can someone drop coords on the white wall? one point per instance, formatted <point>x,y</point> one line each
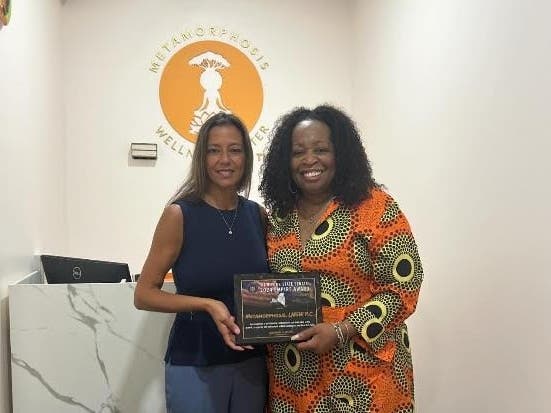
<point>112,99</point>
<point>32,203</point>
<point>454,100</point>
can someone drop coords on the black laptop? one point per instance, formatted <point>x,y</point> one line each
<point>68,270</point>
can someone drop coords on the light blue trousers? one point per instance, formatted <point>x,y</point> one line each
<point>232,388</point>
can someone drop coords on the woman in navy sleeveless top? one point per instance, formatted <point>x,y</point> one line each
<point>206,235</point>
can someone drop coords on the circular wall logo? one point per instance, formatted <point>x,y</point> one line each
<point>207,77</point>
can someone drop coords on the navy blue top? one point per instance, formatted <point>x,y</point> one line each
<point>205,267</point>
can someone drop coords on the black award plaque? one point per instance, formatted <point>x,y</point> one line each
<point>272,307</point>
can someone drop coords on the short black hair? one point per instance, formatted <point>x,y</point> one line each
<point>353,180</point>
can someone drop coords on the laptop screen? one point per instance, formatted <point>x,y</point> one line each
<point>67,270</point>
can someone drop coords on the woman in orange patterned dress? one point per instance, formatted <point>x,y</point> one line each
<point>328,215</point>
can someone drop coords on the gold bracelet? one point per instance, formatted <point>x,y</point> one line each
<point>340,335</point>
<point>348,335</point>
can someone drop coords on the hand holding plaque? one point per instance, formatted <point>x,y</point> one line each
<point>272,307</point>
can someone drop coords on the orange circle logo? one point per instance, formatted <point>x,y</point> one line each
<point>205,78</point>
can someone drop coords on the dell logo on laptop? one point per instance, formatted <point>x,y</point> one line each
<point>77,273</point>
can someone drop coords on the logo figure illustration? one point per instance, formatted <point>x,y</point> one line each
<point>211,81</point>
<point>205,78</point>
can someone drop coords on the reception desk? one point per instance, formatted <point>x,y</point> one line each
<point>85,348</point>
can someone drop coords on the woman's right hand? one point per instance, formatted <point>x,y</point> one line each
<point>225,323</point>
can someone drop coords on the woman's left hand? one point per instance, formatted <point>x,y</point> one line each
<point>320,338</point>
<point>225,323</point>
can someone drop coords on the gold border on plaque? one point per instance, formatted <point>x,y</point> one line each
<point>286,279</point>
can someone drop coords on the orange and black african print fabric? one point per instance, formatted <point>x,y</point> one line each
<point>370,274</point>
